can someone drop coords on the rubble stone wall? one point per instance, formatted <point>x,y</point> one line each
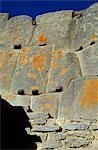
<point>49,66</point>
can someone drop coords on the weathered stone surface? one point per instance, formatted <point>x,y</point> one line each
<point>46,103</point>
<point>80,100</point>
<point>94,126</point>
<point>19,100</point>
<point>43,128</point>
<point>82,134</point>
<point>57,136</point>
<point>63,68</point>
<point>38,115</point>
<point>8,60</point>
<point>88,59</point>
<point>73,142</point>
<point>38,121</point>
<point>51,144</point>
<point>19,29</point>
<point>85,28</point>
<point>74,126</point>
<point>3,21</point>
<point>31,70</point>
<point>52,29</point>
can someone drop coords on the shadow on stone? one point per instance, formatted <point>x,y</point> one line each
<point>13,123</point>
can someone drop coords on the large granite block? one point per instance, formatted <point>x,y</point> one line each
<point>80,100</point>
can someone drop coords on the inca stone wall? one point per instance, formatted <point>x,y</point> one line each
<point>50,67</point>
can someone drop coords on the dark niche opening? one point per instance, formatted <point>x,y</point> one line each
<point>35,92</point>
<point>59,89</point>
<point>93,42</point>
<point>44,44</point>
<point>17,46</point>
<point>21,92</point>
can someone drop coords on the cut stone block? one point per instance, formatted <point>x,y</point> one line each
<point>80,100</point>
<point>31,70</point>
<point>46,103</point>
<point>52,29</point>
<point>38,115</point>
<point>88,59</point>
<point>19,29</point>
<point>19,100</point>
<point>8,60</point>
<point>86,28</point>
<point>51,145</point>
<point>63,68</point>
<point>43,128</point>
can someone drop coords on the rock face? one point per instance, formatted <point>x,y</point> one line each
<point>50,67</point>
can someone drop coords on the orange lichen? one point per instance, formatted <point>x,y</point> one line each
<point>63,71</point>
<point>31,75</point>
<point>35,88</point>
<point>52,54</point>
<point>90,93</point>
<point>42,38</point>
<point>1,63</point>
<point>23,56</point>
<point>93,37</point>
<point>48,106</point>
<point>38,62</point>
<point>59,52</point>
<point>54,65</point>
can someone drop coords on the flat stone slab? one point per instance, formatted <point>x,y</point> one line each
<point>43,128</point>
<point>31,70</point>
<point>63,68</point>
<point>46,103</point>
<point>75,126</point>
<point>38,115</point>
<point>80,100</point>
<point>51,145</point>
<point>88,58</point>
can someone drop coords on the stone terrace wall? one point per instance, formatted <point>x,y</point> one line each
<point>50,67</point>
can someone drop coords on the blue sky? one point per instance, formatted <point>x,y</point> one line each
<point>34,8</point>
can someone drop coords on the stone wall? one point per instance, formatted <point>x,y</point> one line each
<point>50,67</point>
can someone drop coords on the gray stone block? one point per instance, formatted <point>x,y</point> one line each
<point>80,100</point>
<point>46,103</point>
<point>53,30</point>
<point>38,115</point>
<point>31,70</point>
<point>43,128</point>
<point>73,142</point>
<point>88,59</point>
<point>51,144</point>
<point>63,68</point>
<point>19,29</point>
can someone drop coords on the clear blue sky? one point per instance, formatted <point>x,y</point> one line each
<point>34,8</point>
